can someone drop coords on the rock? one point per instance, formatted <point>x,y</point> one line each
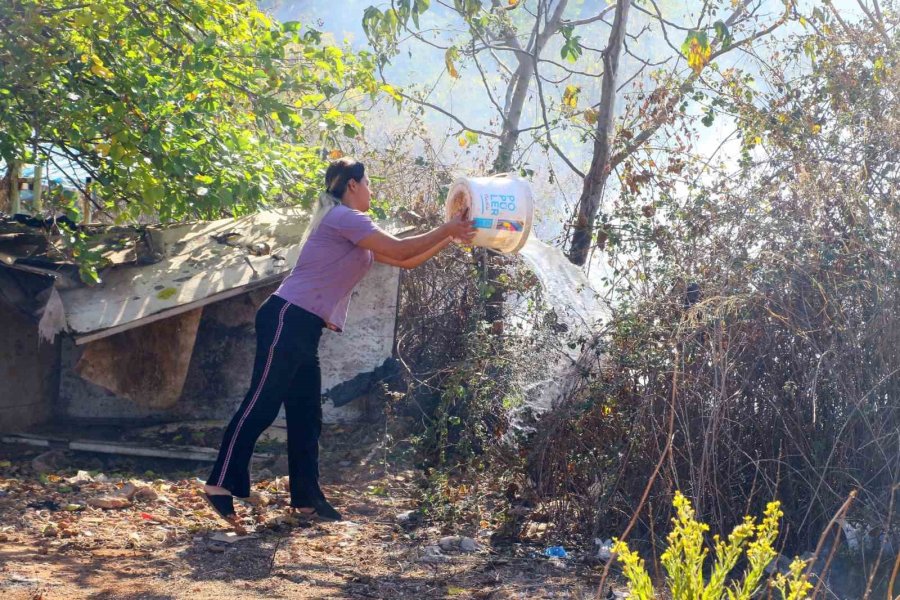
<point>406,517</point>
<point>146,494</point>
<point>780,565</point>
<point>345,463</point>
<point>467,544</point>
<point>604,549</point>
<point>449,543</point>
<point>265,474</point>
<point>48,461</point>
<point>128,490</point>
<point>135,490</point>
<point>229,537</point>
<point>80,477</point>
<point>110,502</point>
<point>217,547</point>
<point>432,554</point>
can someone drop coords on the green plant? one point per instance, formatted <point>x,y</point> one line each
<point>176,110</point>
<point>686,554</point>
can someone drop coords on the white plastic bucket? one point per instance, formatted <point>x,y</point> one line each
<point>501,207</point>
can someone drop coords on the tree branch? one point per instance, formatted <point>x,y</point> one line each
<point>597,17</point>
<point>547,126</point>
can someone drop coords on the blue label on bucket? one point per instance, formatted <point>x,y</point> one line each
<point>482,223</point>
<point>495,203</point>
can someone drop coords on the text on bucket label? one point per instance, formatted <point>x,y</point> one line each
<point>495,203</point>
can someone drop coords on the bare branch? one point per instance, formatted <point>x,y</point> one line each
<point>597,17</point>
<point>547,126</point>
<point>487,86</point>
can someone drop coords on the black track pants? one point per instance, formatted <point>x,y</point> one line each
<point>286,370</point>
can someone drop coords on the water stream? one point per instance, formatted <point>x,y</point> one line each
<point>566,290</point>
<point>565,286</point>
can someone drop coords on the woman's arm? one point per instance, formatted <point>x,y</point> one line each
<point>415,261</point>
<point>392,248</point>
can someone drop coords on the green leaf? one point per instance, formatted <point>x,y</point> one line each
<point>723,34</point>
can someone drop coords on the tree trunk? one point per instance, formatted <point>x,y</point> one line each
<point>509,136</point>
<point>37,206</point>
<point>15,171</point>
<point>595,181</point>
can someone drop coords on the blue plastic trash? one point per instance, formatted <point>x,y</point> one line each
<point>556,552</point>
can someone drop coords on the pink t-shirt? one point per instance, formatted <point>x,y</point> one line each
<point>330,266</point>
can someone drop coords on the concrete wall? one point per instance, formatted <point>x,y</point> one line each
<point>29,373</point>
<point>222,360</point>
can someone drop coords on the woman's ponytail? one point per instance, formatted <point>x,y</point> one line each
<point>337,176</point>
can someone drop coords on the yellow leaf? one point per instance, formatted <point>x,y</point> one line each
<point>816,129</point>
<point>463,142</point>
<point>591,116</point>
<point>390,91</point>
<point>698,55</point>
<point>335,154</point>
<point>101,71</point>
<point>570,97</point>
<point>191,96</point>
<point>450,56</point>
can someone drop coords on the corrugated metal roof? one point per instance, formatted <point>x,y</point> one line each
<point>195,264</point>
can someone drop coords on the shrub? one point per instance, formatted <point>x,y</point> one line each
<point>685,557</point>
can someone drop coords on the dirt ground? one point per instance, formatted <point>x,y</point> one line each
<point>165,543</point>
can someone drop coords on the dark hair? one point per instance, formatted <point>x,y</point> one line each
<point>340,172</point>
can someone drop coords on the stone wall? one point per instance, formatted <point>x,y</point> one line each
<point>222,360</point>
<point>29,372</point>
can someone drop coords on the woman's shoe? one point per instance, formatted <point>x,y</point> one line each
<point>321,510</point>
<point>223,505</point>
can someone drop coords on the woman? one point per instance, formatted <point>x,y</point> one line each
<point>338,249</point>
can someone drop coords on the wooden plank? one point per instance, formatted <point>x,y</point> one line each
<point>167,451</point>
<point>26,440</point>
<point>184,453</point>
<point>176,452</point>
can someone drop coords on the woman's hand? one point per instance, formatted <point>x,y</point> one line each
<point>460,228</point>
